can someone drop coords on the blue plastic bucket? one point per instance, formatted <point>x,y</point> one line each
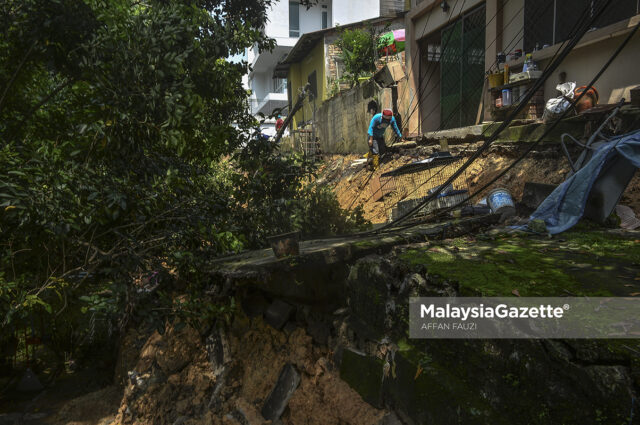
<point>498,199</point>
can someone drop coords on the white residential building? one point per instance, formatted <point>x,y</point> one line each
<point>287,21</point>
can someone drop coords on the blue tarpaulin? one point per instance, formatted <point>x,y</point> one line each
<point>564,207</point>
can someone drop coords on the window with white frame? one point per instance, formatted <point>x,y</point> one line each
<point>325,17</point>
<point>279,85</point>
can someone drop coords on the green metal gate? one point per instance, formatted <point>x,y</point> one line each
<point>462,69</point>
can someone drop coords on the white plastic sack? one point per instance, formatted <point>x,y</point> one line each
<point>556,106</point>
<point>628,219</point>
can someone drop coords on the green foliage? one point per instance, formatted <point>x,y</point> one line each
<point>333,87</point>
<point>320,214</point>
<point>278,196</point>
<point>113,116</point>
<point>358,52</point>
<point>117,122</point>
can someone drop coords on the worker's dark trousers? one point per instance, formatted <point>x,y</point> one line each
<point>379,146</point>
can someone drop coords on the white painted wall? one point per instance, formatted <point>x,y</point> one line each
<point>260,81</point>
<point>513,23</point>
<point>277,27</point>
<point>583,63</point>
<point>436,19</point>
<point>311,20</point>
<point>278,24</point>
<point>259,85</point>
<point>349,11</point>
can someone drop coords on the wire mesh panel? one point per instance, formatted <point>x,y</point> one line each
<point>304,141</point>
<point>408,186</point>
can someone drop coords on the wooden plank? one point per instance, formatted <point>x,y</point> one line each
<point>376,190</point>
<point>481,104</point>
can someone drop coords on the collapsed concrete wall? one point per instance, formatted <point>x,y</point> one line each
<point>471,381</point>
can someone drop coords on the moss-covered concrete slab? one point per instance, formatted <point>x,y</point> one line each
<point>516,132</point>
<point>531,132</point>
<point>504,381</point>
<point>596,263</point>
<point>318,273</point>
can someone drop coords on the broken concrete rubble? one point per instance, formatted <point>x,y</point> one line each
<point>278,313</point>
<point>277,400</point>
<point>424,376</point>
<point>319,331</point>
<point>368,361</point>
<point>254,305</point>
<point>322,264</point>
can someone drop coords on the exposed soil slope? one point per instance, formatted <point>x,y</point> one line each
<point>547,164</point>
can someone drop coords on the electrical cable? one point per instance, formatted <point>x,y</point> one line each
<point>482,134</point>
<point>460,13</point>
<point>552,67</point>
<point>423,30</point>
<point>585,11</point>
<point>460,103</point>
<point>553,124</point>
<point>494,63</point>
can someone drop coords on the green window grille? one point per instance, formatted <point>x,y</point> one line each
<point>462,69</point>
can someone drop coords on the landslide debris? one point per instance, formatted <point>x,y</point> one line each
<point>181,377</point>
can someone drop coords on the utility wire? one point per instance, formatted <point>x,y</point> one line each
<point>555,122</point>
<point>576,25</point>
<point>415,54</point>
<point>460,103</point>
<point>494,63</point>
<point>368,178</point>
<point>449,21</point>
<point>552,67</point>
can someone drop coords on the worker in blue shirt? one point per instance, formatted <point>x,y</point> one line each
<point>377,127</point>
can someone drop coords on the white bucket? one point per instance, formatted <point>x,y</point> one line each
<point>498,199</point>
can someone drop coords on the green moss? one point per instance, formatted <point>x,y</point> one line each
<point>368,243</point>
<point>403,345</point>
<point>375,296</point>
<point>608,245</point>
<point>579,263</point>
<point>363,374</point>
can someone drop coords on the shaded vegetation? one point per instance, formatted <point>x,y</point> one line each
<point>128,159</point>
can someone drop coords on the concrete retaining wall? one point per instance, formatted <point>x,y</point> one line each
<point>342,121</point>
